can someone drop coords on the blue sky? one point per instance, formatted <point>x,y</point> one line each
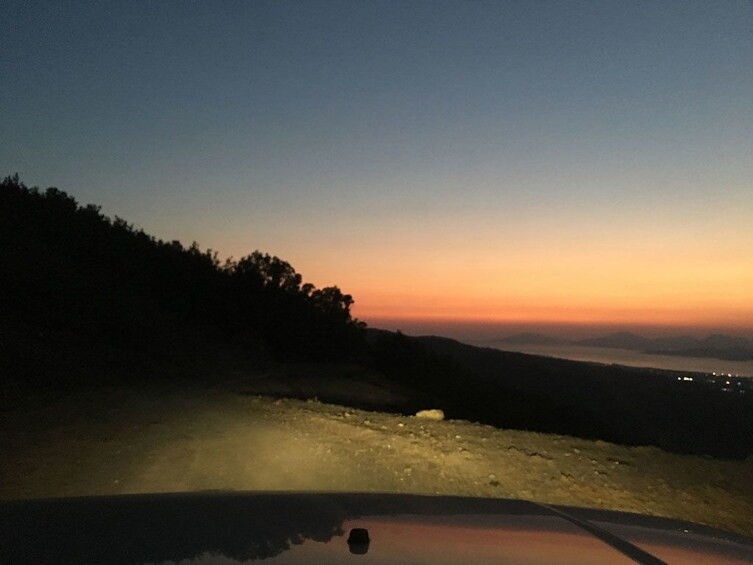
<point>368,141</point>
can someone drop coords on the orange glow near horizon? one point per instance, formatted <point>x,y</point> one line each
<point>551,316</point>
<point>693,293</point>
<point>632,264</point>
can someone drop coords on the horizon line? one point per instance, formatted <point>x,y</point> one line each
<point>435,326</point>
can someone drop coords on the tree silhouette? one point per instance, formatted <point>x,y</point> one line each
<point>81,292</point>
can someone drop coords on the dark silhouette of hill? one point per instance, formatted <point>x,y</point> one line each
<point>623,405</point>
<point>674,343</point>
<point>532,338</point>
<point>715,346</point>
<point>621,340</point>
<point>84,296</point>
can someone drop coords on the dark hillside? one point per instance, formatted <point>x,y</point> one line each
<point>83,296</point>
<point>624,405</point>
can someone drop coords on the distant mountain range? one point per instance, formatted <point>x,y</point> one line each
<point>715,346</point>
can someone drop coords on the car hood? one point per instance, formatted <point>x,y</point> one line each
<point>232,527</point>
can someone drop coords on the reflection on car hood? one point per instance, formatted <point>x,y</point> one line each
<point>230,527</point>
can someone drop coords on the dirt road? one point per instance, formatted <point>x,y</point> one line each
<point>127,441</point>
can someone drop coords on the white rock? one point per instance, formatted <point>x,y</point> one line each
<point>434,414</point>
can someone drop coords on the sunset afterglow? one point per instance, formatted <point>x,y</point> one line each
<point>500,162</point>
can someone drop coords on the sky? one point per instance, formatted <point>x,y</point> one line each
<point>509,164</point>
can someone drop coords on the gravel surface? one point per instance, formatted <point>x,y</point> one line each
<point>120,440</point>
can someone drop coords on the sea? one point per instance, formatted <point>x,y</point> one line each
<point>628,357</point>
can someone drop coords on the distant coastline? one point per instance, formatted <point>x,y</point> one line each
<point>714,346</point>
<point>675,361</point>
